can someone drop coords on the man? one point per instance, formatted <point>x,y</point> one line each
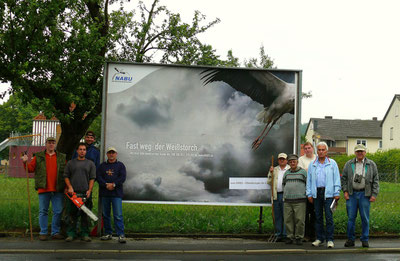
<point>79,175</point>
<point>323,186</point>
<point>277,174</point>
<point>360,184</point>
<point>111,175</point>
<point>92,153</point>
<point>304,162</point>
<point>48,166</point>
<point>294,195</point>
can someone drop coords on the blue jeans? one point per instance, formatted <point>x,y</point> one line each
<point>322,205</point>
<point>56,199</point>
<point>358,201</point>
<point>278,214</point>
<point>116,204</point>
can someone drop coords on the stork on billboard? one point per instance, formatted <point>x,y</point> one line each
<point>199,135</point>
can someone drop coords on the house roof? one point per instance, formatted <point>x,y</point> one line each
<point>336,129</point>
<point>42,117</point>
<point>396,96</point>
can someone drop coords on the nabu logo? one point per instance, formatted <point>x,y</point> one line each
<point>121,76</point>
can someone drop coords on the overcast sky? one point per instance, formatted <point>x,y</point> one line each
<point>348,50</point>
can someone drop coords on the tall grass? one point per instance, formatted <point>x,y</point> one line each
<point>187,219</point>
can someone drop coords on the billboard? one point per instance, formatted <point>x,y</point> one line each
<point>188,135</point>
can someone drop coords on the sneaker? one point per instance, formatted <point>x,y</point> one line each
<point>349,243</point>
<point>288,241</point>
<point>299,241</point>
<point>122,239</point>
<point>106,237</point>
<point>330,244</point>
<point>42,237</point>
<point>364,243</point>
<point>57,236</point>
<point>317,243</point>
<point>86,239</point>
<point>69,239</point>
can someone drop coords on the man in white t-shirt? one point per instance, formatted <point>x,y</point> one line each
<point>277,174</point>
<point>304,162</point>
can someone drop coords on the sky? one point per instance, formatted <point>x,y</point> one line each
<point>348,51</point>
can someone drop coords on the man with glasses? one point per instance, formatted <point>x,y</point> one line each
<point>111,175</point>
<point>360,184</point>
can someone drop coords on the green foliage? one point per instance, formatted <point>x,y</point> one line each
<point>15,116</point>
<point>265,61</point>
<point>53,52</point>
<point>187,219</point>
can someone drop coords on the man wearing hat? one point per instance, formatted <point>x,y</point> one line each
<point>294,195</point>
<point>111,175</point>
<point>275,175</point>
<point>360,184</point>
<point>92,153</point>
<point>48,166</point>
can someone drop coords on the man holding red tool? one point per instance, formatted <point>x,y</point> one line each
<point>79,176</point>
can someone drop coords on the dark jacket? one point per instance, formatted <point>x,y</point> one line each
<point>371,177</point>
<point>111,173</point>
<point>41,173</point>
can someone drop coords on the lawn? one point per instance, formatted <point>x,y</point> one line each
<point>188,219</point>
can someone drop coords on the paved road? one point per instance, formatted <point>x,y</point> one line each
<point>18,248</point>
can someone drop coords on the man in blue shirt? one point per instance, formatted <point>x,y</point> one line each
<point>92,153</point>
<point>323,186</point>
<point>111,175</point>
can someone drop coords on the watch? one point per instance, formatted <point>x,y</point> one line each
<point>114,185</point>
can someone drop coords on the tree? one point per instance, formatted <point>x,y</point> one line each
<point>15,116</point>
<point>53,52</point>
<point>265,61</point>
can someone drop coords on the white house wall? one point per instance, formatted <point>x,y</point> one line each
<point>392,120</point>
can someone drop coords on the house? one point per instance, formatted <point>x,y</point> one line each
<point>342,135</point>
<point>391,125</point>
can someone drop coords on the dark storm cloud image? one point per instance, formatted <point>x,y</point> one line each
<point>182,138</point>
<point>145,113</point>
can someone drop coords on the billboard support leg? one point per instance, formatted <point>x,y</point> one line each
<point>260,221</point>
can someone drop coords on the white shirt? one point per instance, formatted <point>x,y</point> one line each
<point>280,179</point>
<point>305,161</point>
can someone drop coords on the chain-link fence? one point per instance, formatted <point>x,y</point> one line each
<point>183,219</point>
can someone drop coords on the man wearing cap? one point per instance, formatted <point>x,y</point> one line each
<point>111,175</point>
<point>92,153</point>
<point>276,175</point>
<point>323,186</point>
<point>48,166</point>
<point>360,184</point>
<point>79,176</point>
<point>294,195</point>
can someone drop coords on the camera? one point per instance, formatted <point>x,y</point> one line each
<point>358,178</point>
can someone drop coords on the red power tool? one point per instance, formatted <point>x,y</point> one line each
<point>81,205</point>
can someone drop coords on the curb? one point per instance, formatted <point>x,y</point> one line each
<point>221,252</point>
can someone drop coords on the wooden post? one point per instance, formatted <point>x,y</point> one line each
<point>260,221</point>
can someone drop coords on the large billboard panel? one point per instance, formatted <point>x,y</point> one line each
<point>188,135</point>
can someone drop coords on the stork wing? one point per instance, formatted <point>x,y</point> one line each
<point>261,86</point>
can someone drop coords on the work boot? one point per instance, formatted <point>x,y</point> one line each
<point>349,243</point>
<point>57,236</point>
<point>42,237</point>
<point>69,239</point>
<point>288,241</point>
<point>364,243</point>
<point>299,241</point>
<point>86,239</point>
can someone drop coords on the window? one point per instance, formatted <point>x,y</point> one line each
<point>380,144</point>
<point>363,142</point>
<point>391,133</point>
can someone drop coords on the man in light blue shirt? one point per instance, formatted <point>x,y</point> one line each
<point>323,186</point>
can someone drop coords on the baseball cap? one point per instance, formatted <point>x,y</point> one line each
<point>293,157</point>
<point>50,139</point>
<point>360,147</point>
<point>111,149</point>
<point>282,155</point>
